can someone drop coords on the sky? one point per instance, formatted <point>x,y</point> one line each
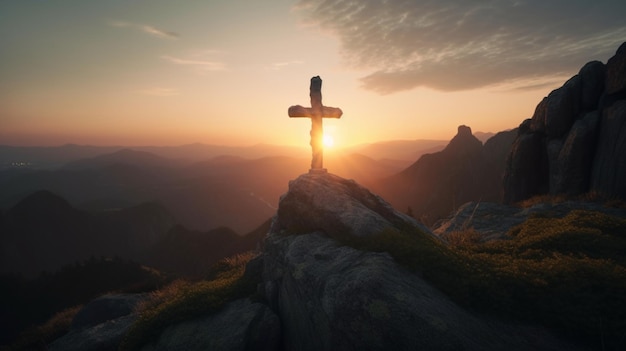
<point>164,72</point>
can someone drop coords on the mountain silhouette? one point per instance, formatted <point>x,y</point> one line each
<point>438,183</point>
<point>44,232</point>
<point>190,253</point>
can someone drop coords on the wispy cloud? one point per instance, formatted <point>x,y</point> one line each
<point>280,65</point>
<point>152,30</point>
<point>456,44</point>
<point>158,91</point>
<point>200,64</point>
<point>159,33</point>
<point>201,61</point>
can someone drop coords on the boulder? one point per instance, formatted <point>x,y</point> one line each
<point>326,202</point>
<point>493,221</point>
<point>105,308</point>
<point>100,325</point>
<point>553,149</point>
<point>572,172</point>
<point>537,123</point>
<point>592,77</point>
<point>616,71</point>
<point>563,108</point>
<point>240,325</point>
<point>609,164</point>
<point>527,171</point>
<point>105,336</point>
<point>556,113</point>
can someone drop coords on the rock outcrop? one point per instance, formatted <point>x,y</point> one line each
<point>493,221</point>
<point>241,325</point>
<point>100,325</point>
<point>334,205</point>
<point>575,141</point>
<point>333,297</point>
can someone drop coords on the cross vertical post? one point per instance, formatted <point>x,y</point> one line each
<point>316,113</point>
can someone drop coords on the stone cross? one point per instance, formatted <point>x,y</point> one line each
<point>316,112</point>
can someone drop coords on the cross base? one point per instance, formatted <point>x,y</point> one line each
<point>318,171</point>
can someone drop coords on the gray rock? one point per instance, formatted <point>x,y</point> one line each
<point>556,113</point>
<point>526,172</point>
<point>587,115</point>
<point>240,325</point>
<point>616,71</point>
<point>105,308</point>
<point>336,206</point>
<point>101,324</point>
<point>537,123</point>
<point>333,297</point>
<point>592,77</point>
<point>609,167</point>
<point>563,107</point>
<point>105,336</point>
<point>553,149</point>
<point>493,221</point>
<point>572,172</point>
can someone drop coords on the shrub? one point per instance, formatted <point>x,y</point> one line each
<point>37,338</point>
<point>183,300</point>
<point>466,237</point>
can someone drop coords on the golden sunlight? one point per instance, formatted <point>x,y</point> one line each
<point>328,141</point>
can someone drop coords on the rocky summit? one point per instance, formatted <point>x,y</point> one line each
<point>328,203</point>
<point>329,296</point>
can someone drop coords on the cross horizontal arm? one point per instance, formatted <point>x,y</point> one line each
<point>327,112</point>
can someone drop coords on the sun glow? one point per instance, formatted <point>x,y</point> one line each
<point>328,141</point>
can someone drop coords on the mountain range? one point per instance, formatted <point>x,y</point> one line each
<point>44,232</point>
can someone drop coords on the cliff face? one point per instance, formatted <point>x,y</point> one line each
<point>576,140</point>
<point>334,297</point>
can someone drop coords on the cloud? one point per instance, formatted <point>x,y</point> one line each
<point>202,65</point>
<point>159,33</point>
<point>280,65</point>
<point>458,45</point>
<point>146,29</point>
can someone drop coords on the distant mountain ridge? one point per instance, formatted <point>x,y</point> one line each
<point>44,232</point>
<point>52,157</point>
<point>125,156</point>
<point>226,190</point>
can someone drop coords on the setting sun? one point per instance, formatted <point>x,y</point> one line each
<point>328,141</point>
